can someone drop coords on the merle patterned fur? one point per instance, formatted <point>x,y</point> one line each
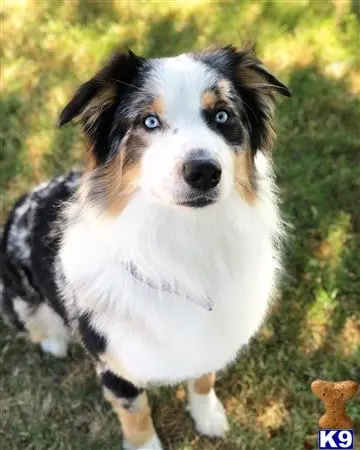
<point>29,246</point>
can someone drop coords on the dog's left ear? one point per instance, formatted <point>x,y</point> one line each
<point>257,87</point>
<point>252,73</point>
<point>99,93</point>
<point>95,103</point>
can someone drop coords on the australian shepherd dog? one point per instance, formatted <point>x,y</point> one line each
<point>162,254</point>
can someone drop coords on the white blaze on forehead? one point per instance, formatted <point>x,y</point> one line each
<point>180,81</point>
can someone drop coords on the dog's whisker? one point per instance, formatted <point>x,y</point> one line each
<point>250,109</point>
<point>127,84</point>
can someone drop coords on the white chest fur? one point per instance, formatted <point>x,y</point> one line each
<point>223,253</point>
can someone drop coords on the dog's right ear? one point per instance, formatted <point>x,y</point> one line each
<point>99,93</point>
<point>77,104</point>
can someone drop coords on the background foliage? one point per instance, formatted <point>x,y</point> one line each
<point>313,331</point>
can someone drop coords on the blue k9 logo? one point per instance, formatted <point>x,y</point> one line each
<point>338,439</point>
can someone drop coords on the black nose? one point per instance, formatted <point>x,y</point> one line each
<point>202,174</point>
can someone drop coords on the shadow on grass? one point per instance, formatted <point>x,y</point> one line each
<point>88,11</point>
<point>11,138</point>
<point>57,160</point>
<point>163,40</point>
<point>15,113</point>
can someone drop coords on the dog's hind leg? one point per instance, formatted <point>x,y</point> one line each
<point>132,408</point>
<point>44,325</point>
<point>23,306</point>
<point>205,407</point>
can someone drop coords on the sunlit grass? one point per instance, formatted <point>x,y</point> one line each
<point>272,417</point>
<point>333,246</point>
<point>349,337</point>
<point>317,322</point>
<point>49,48</point>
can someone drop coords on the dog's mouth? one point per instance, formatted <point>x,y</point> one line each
<point>165,287</point>
<point>191,200</point>
<point>199,201</point>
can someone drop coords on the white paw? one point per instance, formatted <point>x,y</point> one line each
<point>56,348</point>
<point>153,444</point>
<point>208,414</point>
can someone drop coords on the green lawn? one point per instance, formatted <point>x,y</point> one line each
<point>313,330</point>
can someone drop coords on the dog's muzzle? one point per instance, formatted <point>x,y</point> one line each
<point>202,174</point>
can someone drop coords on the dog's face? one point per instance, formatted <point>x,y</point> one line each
<point>182,130</point>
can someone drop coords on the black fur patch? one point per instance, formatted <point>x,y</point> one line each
<point>30,244</point>
<point>231,130</point>
<point>94,342</point>
<point>123,74</point>
<point>250,101</point>
<point>48,234</point>
<point>120,387</point>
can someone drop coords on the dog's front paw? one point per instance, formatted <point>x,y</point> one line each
<point>153,444</point>
<point>208,414</point>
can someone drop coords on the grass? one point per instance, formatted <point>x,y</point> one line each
<point>313,330</point>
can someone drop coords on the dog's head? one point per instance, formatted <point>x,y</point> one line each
<point>182,130</point>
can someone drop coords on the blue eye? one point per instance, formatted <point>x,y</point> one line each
<point>151,122</point>
<point>221,117</point>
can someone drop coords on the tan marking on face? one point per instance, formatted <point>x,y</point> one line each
<point>244,176</point>
<point>224,89</point>
<point>205,383</point>
<point>157,106</point>
<point>218,97</point>
<point>209,100</point>
<point>136,423</point>
<point>121,183</point>
<point>114,184</point>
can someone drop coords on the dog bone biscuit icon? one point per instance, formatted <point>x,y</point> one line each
<point>334,396</point>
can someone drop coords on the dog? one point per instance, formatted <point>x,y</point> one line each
<point>162,254</point>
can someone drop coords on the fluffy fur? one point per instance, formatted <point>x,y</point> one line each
<point>164,276</point>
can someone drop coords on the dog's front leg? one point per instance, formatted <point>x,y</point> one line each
<point>131,406</point>
<point>128,400</point>
<point>205,407</point>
